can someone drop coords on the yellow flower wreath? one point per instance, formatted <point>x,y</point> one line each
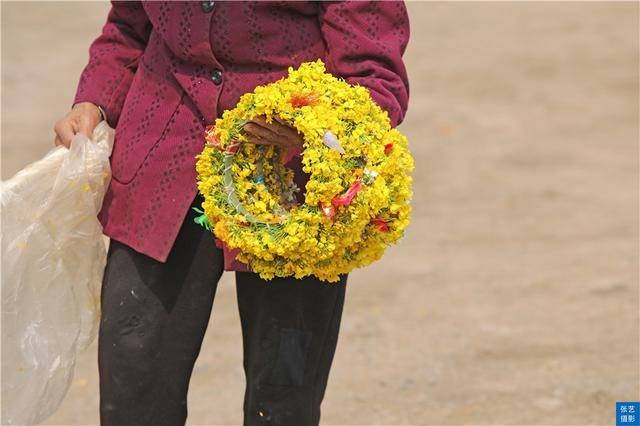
<point>357,199</point>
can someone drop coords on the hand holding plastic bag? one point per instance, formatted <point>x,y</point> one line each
<point>53,258</point>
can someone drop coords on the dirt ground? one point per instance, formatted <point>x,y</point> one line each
<point>513,299</point>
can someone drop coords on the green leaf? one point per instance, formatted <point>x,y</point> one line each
<point>202,219</point>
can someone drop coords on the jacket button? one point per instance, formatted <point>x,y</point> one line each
<point>207,6</point>
<point>216,77</point>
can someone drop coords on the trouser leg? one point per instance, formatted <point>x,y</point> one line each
<point>154,317</point>
<point>290,332</point>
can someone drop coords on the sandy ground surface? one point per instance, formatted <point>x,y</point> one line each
<point>514,297</point>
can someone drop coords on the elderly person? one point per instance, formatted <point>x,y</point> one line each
<point>159,73</point>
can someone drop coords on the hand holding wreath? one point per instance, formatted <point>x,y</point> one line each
<point>275,132</point>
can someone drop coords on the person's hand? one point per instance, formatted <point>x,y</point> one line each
<point>82,118</point>
<point>278,133</point>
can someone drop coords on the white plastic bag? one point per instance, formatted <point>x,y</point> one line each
<point>53,258</point>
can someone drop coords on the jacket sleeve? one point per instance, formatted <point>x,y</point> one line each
<point>113,59</point>
<point>365,42</point>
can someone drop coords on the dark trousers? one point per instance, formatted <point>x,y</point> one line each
<point>154,317</point>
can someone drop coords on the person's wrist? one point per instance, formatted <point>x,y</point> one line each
<point>91,106</point>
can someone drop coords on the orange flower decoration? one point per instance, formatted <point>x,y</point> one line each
<point>298,100</point>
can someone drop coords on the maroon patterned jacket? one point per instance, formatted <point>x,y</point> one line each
<point>162,71</point>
